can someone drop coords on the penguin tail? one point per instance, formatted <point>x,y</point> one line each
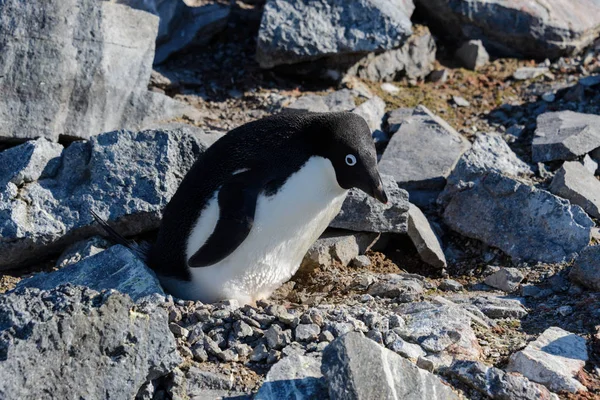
<point>141,250</point>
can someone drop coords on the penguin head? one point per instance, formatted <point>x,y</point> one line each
<point>350,148</point>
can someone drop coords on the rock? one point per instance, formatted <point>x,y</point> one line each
<point>80,250</point>
<point>294,377</point>
<point>439,75</point>
<point>277,338</point>
<point>360,262</point>
<point>341,100</point>
<point>93,345</point>
<point>126,177</point>
<point>414,60</point>
<point>421,155</point>
<point>500,307</point>
<point>396,285</point>
<point>407,350</point>
<point>362,213</point>
<point>195,383</point>
<point>586,269</point>
<point>395,118</point>
<point>338,246</point>
<point>389,88</point>
<point>425,240</point>
<point>565,135</point>
<point>460,101</point>
<point>473,55</point>
<point>534,30</point>
<point>450,285</point>
<point>554,359</point>
<point>101,60</point>
<point>29,162</point>
<point>497,384</point>
<point>358,368</point>
<point>576,184</point>
<point>590,164</point>
<point>307,332</point>
<point>116,268</point>
<point>372,111</point>
<point>311,102</point>
<point>525,73</point>
<point>293,32</point>
<point>506,279</point>
<point>536,225</point>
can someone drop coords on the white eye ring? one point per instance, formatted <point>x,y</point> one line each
<point>350,160</point>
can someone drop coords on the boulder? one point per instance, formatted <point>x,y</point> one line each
<point>541,30</point>
<point>473,55</point>
<point>294,377</point>
<point>115,268</point>
<point>565,135</point>
<point>574,182</point>
<point>126,177</point>
<point>93,345</point>
<point>525,222</point>
<point>358,368</point>
<point>360,212</point>
<point>297,31</point>
<point>586,269</point>
<point>88,64</point>
<point>554,359</point>
<point>425,240</point>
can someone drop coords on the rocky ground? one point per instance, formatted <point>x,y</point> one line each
<point>480,280</point>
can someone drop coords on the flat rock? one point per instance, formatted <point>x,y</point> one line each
<point>422,153</point>
<point>92,345</point>
<point>294,377</point>
<point>400,286</point>
<point>505,279</point>
<point>586,269</point>
<point>554,359</point>
<point>574,182</point>
<point>500,307</point>
<point>358,368</point>
<point>524,73</point>
<point>473,55</point>
<point>425,240</point>
<point>372,111</point>
<point>496,383</point>
<point>115,268</point>
<point>362,213</point>
<point>340,100</point>
<point>93,61</point>
<point>534,224</point>
<point>565,135</point>
<point>293,32</point>
<point>541,30</point>
<point>126,177</point>
<point>29,162</point>
<point>81,250</point>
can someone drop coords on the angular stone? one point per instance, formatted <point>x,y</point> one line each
<point>294,377</point>
<point>292,32</point>
<point>29,162</point>
<point>450,285</point>
<point>357,368</point>
<point>586,269</point>
<point>396,285</point>
<point>124,176</point>
<point>116,268</point>
<point>423,152</point>
<point>340,100</point>
<point>460,101</point>
<point>310,102</point>
<point>554,359</point>
<point>565,135</point>
<point>360,212</point>
<point>88,67</point>
<point>407,350</point>
<point>425,240</point>
<point>590,164</point>
<point>307,332</point>
<point>92,345</point>
<point>497,384</point>
<point>372,111</point>
<point>525,73</point>
<point>81,250</point>
<point>360,262</point>
<point>536,225</point>
<point>576,184</point>
<point>540,30</point>
<point>500,307</point>
<point>506,279</point>
<point>473,55</point>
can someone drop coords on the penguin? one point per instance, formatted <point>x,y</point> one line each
<point>253,203</point>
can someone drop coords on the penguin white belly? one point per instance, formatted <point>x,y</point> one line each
<point>285,226</point>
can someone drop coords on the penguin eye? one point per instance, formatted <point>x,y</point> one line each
<point>350,160</point>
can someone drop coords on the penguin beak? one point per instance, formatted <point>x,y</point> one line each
<point>377,190</point>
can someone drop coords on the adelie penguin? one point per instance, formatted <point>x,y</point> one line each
<point>254,202</point>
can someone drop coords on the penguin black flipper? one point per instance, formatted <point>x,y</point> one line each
<point>237,205</point>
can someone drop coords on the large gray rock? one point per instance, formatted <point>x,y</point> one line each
<point>340,100</point>
<point>534,29</point>
<point>524,222</point>
<point>554,359</point>
<point>586,269</point>
<point>115,268</point>
<point>358,368</point>
<point>82,250</point>
<point>126,177</point>
<point>360,212</point>
<point>565,135</point>
<point>505,279</point>
<point>421,155</point>
<point>293,31</point>
<point>73,342</point>
<point>575,183</point>
<point>77,68</point>
<point>294,377</point>
<point>425,240</point>
<point>372,111</point>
